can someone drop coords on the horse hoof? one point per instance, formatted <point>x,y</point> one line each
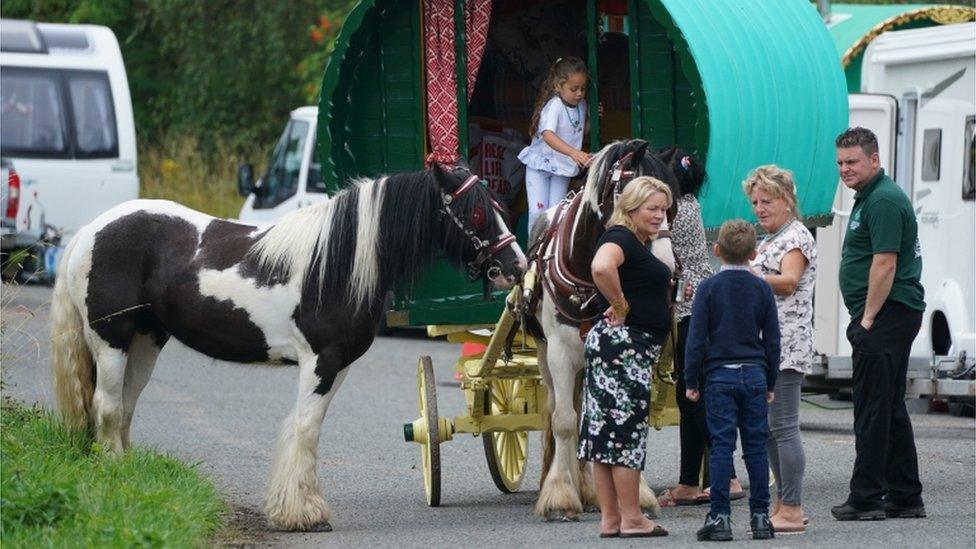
<point>649,513</point>
<point>591,509</point>
<point>321,527</point>
<point>562,516</point>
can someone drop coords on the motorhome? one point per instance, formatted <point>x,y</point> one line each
<point>66,120</point>
<point>919,97</point>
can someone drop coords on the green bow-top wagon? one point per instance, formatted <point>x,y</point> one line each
<point>740,83</point>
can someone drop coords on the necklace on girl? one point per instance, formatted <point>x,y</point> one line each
<point>574,123</point>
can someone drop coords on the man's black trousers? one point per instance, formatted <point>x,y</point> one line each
<point>886,466</point>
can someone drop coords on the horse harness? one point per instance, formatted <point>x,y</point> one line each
<point>486,250</point>
<point>573,294</point>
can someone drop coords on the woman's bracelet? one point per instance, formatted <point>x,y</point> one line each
<point>620,307</point>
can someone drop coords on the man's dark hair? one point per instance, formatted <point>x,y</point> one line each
<point>858,137</point>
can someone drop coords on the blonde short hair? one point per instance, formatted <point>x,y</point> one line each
<point>737,241</point>
<point>776,182</point>
<point>636,193</point>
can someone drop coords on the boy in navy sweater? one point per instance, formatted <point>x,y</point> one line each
<point>734,344</point>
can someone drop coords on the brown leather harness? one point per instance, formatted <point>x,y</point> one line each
<point>574,294</point>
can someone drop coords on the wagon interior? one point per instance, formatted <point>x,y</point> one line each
<point>639,82</point>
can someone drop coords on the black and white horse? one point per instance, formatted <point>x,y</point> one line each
<point>566,486</point>
<point>310,288</point>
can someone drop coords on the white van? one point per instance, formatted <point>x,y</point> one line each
<point>66,119</point>
<point>293,178</point>
<point>920,100</point>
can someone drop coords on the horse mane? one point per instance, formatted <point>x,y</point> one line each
<point>601,162</point>
<point>358,244</point>
<point>604,160</point>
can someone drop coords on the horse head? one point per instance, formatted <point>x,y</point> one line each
<point>614,166</point>
<point>473,229</point>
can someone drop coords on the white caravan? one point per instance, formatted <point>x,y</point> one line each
<point>293,178</point>
<point>920,100</point>
<point>66,119</point>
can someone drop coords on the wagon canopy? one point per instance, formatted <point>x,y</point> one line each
<point>740,83</point>
<point>852,27</point>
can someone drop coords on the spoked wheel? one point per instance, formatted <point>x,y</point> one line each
<point>506,452</point>
<point>430,448</point>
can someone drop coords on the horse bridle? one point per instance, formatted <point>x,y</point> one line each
<point>618,177</point>
<point>486,250</point>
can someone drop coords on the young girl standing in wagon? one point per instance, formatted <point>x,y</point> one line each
<point>557,127</point>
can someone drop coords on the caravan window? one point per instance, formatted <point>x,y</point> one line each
<point>32,116</point>
<point>93,114</point>
<point>931,154</point>
<point>969,161</point>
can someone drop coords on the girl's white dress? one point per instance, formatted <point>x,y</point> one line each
<point>566,122</point>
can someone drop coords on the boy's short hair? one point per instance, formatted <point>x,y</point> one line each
<point>737,240</point>
<point>858,137</point>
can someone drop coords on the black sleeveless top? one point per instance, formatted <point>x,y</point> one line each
<point>645,281</point>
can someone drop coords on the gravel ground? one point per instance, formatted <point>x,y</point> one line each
<point>224,417</point>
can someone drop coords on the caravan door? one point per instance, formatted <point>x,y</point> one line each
<point>878,113</point>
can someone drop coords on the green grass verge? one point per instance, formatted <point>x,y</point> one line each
<point>57,489</point>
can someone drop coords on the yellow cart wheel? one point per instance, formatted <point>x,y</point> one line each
<point>430,449</point>
<point>505,451</point>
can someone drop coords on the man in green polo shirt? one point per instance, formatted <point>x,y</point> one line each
<point>880,271</point>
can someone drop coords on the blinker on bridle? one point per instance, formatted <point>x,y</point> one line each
<point>618,177</point>
<point>486,250</point>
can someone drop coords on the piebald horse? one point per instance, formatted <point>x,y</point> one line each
<point>310,288</point>
<point>566,486</point>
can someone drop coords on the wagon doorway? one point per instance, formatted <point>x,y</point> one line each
<point>635,76</point>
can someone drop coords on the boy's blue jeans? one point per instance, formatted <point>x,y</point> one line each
<point>736,397</point>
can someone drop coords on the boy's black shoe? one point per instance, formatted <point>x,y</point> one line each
<point>716,528</point>
<point>893,510</point>
<point>762,528</point>
<point>849,512</point>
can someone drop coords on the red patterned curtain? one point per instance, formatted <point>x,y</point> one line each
<point>442,107</point>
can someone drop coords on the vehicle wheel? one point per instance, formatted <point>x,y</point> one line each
<point>506,452</point>
<point>430,449</point>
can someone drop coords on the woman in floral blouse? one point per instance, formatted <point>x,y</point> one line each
<point>787,259</point>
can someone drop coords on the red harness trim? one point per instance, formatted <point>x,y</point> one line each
<point>468,183</point>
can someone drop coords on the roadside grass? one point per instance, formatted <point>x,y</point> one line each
<point>60,490</point>
<point>175,169</point>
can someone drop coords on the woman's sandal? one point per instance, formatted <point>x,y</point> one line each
<point>667,499</point>
<point>706,496</point>
<point>657,532</point>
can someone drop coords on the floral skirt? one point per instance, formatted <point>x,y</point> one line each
<point>616,395</point>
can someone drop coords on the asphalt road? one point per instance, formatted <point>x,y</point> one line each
<point>224,417</point>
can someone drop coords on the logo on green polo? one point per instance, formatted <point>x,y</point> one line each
<point>855,220</point>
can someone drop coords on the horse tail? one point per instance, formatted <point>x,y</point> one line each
<point>71,360</point>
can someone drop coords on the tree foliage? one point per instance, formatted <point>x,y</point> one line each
<point>219,70</point>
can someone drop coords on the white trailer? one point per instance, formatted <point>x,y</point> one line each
<point>920,100</point>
